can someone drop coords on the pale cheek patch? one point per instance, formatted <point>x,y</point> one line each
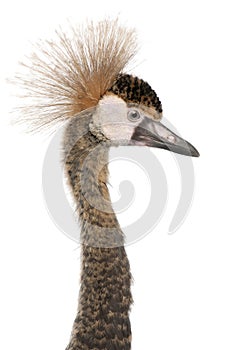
<point>111,119</point>
<point>118,131</point>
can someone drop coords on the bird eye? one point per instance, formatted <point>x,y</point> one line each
<point>134,115</point>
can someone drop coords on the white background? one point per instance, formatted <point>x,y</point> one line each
<point>185,288</point>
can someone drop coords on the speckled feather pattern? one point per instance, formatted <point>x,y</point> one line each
<point>102,320</point>
<point>135,90</point>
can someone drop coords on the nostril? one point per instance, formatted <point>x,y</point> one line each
<point>171,138</point>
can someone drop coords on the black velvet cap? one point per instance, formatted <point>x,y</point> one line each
<point>135,90</point>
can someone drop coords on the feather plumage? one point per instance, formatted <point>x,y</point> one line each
<point>71,72</point>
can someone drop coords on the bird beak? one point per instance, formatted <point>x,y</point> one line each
<point>153,133</point>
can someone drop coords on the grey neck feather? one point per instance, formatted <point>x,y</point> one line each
<point>102,320</point>
<point>86,161</point>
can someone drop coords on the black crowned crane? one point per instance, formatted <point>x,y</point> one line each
<point>79,78</point>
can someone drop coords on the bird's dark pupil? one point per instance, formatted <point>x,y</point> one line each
<point>134,114</point>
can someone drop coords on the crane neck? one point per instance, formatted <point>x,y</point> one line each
<point>102,320</point>
<point>87,170</point>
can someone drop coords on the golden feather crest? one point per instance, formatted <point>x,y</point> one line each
<point>71,72</point>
